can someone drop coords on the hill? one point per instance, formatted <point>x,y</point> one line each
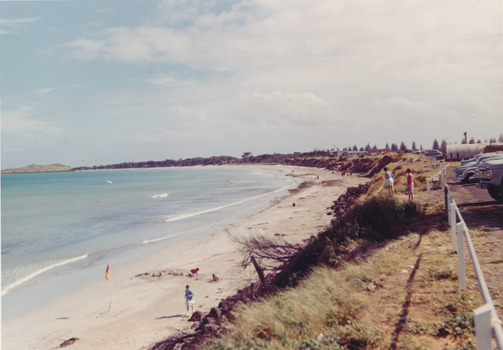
<point>35,168</point>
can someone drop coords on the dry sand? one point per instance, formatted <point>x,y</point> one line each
<point>134,309</point>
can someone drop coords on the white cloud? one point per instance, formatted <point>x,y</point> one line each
<point>45,91</point>
<point>273,76</point>
<point>11,26</point>
<point>49,90</point>
<point>18,121</point>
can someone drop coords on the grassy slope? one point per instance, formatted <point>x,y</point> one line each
<point>396,294</point>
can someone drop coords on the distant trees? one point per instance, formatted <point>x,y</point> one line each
<point>403,148</point>
<point>414,148</point>
<point>394,147</point>
<point>443,147</point>
<point>435,144</point>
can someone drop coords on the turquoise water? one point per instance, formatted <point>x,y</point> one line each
<point>59,230</point>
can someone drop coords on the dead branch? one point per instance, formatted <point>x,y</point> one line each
<point>271,254</point>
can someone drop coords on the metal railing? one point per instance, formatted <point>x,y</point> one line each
<point>487,323</point>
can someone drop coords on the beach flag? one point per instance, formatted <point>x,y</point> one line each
<point>107,274</point>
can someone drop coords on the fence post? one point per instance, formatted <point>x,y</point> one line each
<point>483,328</point>
<point>447,199</point>
<point>448,206</point>
<point>454,228</point>
<point>461,256</point>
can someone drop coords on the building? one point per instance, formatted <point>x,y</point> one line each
<point>464,151</point>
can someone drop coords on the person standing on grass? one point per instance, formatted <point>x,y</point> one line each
<point>389,181</point>
<point>409,189</point>
<point>189,299</point>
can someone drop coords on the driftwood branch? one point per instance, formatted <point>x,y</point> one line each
<point>270,254</point>
<point>259,272</point>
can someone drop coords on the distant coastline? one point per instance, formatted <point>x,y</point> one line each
<point>35,168</point>
<point>286,159</point>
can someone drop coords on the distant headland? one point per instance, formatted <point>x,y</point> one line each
<point>35,168</point>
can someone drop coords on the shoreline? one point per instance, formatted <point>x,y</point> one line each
<point>143,302</point>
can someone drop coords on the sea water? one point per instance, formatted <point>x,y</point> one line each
<point>59,230</point>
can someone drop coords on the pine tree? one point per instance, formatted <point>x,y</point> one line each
<point>403,148</point>
<point>435,144</point>
<point>394,147</point>
<point>443,147</point>
<point>414,148</point>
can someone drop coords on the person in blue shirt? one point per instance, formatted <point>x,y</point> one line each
<point>389,181</point>
<point>189,299</point>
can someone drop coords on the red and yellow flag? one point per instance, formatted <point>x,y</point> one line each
<point>107,274</point>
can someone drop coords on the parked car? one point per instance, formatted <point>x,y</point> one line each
<point>491,178</point>
<point>434,153</point>
<point>469,160</point>
<point>464,172</point>
<point>470,173</point>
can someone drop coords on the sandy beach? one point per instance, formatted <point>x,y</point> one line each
<point>143,302</point>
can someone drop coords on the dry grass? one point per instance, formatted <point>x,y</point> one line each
<point>420,168</point>
<point>402,296</point>
<point>397,294</point>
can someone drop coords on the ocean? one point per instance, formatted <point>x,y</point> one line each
<point>60,230</point>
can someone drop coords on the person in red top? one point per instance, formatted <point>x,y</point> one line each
<point>194,272</point>
<point>409,189</point>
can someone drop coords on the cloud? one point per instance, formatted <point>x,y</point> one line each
<point>12,26</point>
<point>18,121</point>
<point>352,39</point>
<point>218,76</point>
<point>46,91</point>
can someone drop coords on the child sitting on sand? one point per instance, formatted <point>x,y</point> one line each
<point>194,272</point>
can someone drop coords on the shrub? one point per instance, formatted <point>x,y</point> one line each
<point>376,219</point>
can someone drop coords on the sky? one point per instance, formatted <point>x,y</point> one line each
<point>96,82</point>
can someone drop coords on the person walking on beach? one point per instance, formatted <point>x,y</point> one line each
<point>409,189</point>
<point>189,299</point>
<point>389,181</point>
